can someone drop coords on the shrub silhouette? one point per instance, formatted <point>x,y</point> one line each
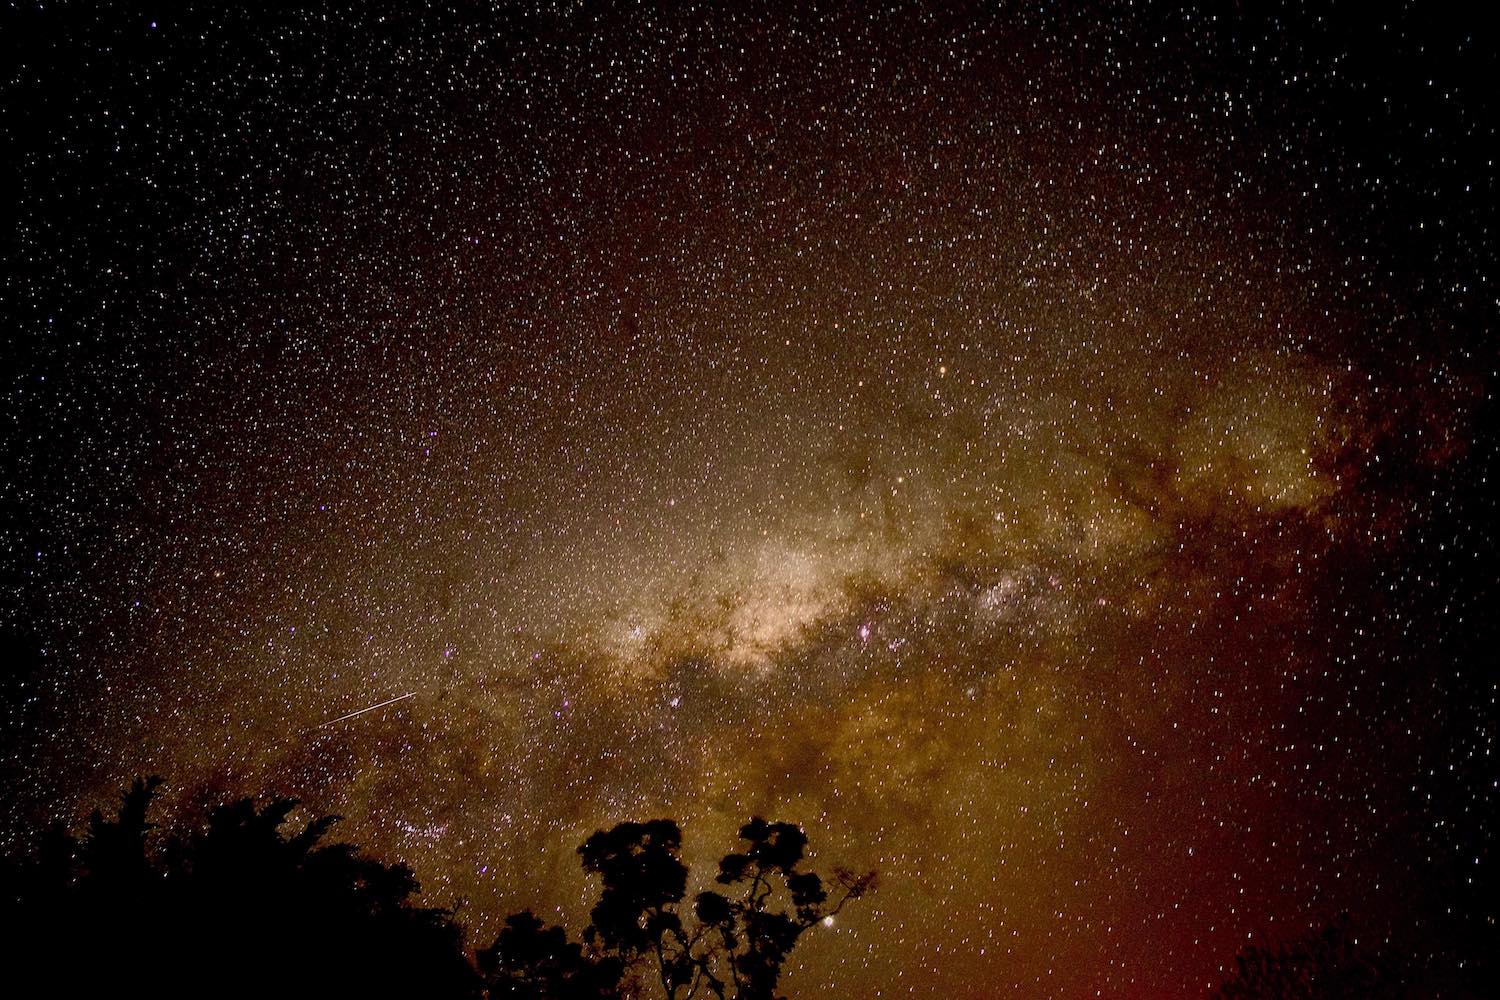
<point>531,962</point>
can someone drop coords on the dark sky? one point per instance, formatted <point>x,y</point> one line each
<point>1042,449</point>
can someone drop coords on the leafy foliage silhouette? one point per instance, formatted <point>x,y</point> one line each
<point>241,906</point>
<point>729,944</point>
<point>234,908</point>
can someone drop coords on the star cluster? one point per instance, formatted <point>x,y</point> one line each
<point>1042,451</point>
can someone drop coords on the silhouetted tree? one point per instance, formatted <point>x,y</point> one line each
<point>241,906</point>
<point>234,908</point>
<point>732,945</point>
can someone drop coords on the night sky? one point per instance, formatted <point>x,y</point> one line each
<point>1045,450</point>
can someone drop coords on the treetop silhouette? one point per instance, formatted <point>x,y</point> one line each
<point>235,908</point>
<point>243,906</point>
<point>731,944</point>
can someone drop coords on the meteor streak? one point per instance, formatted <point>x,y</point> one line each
<point>362,711</point>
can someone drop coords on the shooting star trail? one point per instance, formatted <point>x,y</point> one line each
<point>362,711</point>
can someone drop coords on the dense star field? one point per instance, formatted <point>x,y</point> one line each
<point>1044,451</point>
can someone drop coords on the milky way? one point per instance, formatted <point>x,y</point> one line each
<point>1041,453</point>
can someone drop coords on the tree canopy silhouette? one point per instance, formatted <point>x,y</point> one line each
<point>243,906</point>
<point>729,944</point>
<point>234,908</point>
